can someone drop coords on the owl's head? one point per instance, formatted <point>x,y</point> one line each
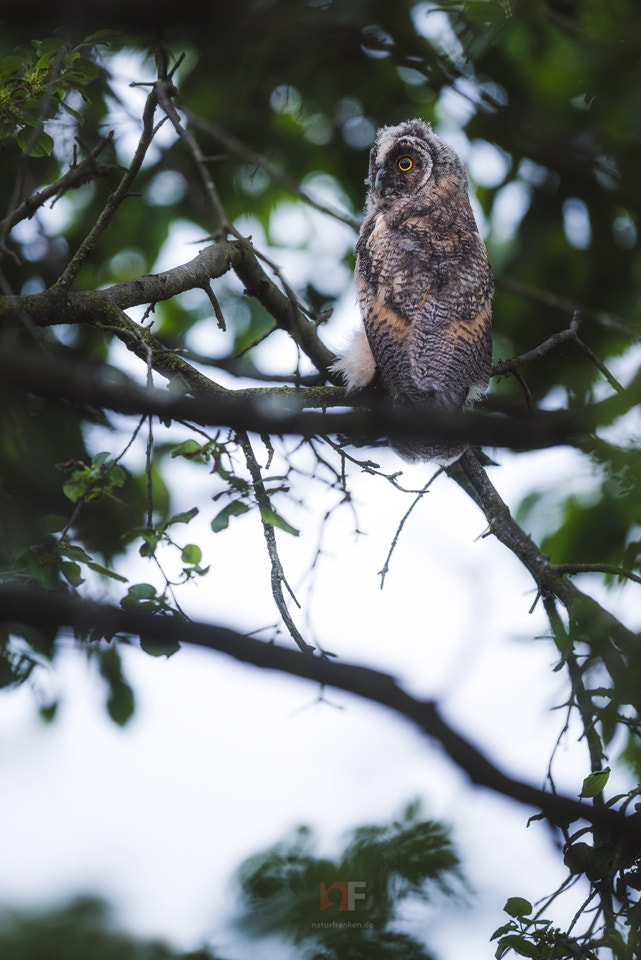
<point>409,159</point>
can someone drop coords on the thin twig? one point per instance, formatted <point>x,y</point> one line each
<point>76,176</point>
<point>598,363</point>
<point>608,568</point>
<point>120,193</point>
<point>235,146</point>
<point>221,224</point>
<point>278,578</point>
<point>213,299</point>
<point>503,367</point>
<point>383,573</point>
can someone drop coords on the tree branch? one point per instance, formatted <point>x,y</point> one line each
<point>166,91</point>
<point>58,305</point>
<point>590,622</point>
<point>251,157</point>
<point>278,578</point>
<point>77,175</point>
<point>47,610</point>
<point>272,410</point>
<point>609,321</point>
<point>120,193</point>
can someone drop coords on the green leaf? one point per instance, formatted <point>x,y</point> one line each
<point>76,488</point>
<point>233,509</point>
<point>595,782</point>
<point>184,517</point>
<point>48,711</point>
<point>74,552</point>
<point>117,476</point>
<point>274,519</point>
<point>159,648</point>
<point>519,944</point>
<point>142,591</point>
<point>72,573</point>
<point>518,907</point>
<point>82,71</point>
<point>42,145</point>
<point>150,540</point>
<point>11,66</point>
<point>120,699</point>
<point>191,450</point>
<point>74,113</point>
<point>120,703</point>
<point>191,554</point>
<point>105,572</point>
<point>101,37</point>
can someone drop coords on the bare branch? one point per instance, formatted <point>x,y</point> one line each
<point>165,91</point>
<point>278,578</point>
<point>120,193</point>
<point>77,175</point>
<point>571,333</point>
<point>607,568</point>
<point>385,570</point>
<point>609,321</point>
<point>503,367</point>
<point>609,638</point>
<point>235,146</point>
<point>48,610</point>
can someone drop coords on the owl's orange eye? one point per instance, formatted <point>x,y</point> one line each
<point>405,164</point>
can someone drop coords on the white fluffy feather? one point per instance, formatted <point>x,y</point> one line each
<point>356,365</point>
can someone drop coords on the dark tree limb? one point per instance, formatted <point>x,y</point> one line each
<point>49,610</point>
<point>269,410</point>
<point>59,305</point>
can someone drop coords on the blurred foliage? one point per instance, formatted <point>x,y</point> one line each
<point>78,931</point>
<point>351,906</point>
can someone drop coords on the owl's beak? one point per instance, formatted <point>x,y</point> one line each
<point>378,183</point>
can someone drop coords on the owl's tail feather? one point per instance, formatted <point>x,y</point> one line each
<point>416,450</point>
<point>420,451</point>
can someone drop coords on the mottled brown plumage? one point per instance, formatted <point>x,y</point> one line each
<point>423,280</point>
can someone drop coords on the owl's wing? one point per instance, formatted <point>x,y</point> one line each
<point>425,290</point>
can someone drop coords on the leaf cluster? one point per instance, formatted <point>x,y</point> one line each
<point>35,82</point>
<point>287,890</point>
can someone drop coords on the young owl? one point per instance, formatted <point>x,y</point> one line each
<point>423,282</point>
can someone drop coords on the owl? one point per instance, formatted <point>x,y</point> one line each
<point>423,282</point>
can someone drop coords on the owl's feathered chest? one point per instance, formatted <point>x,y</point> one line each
<point>409,234</point>
<point>424,286</point>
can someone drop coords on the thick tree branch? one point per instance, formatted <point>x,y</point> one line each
<point>49,610</point>
<point>58,305</point>
<point>274,410</point>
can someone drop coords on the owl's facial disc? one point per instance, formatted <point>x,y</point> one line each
<point>405,169</point>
